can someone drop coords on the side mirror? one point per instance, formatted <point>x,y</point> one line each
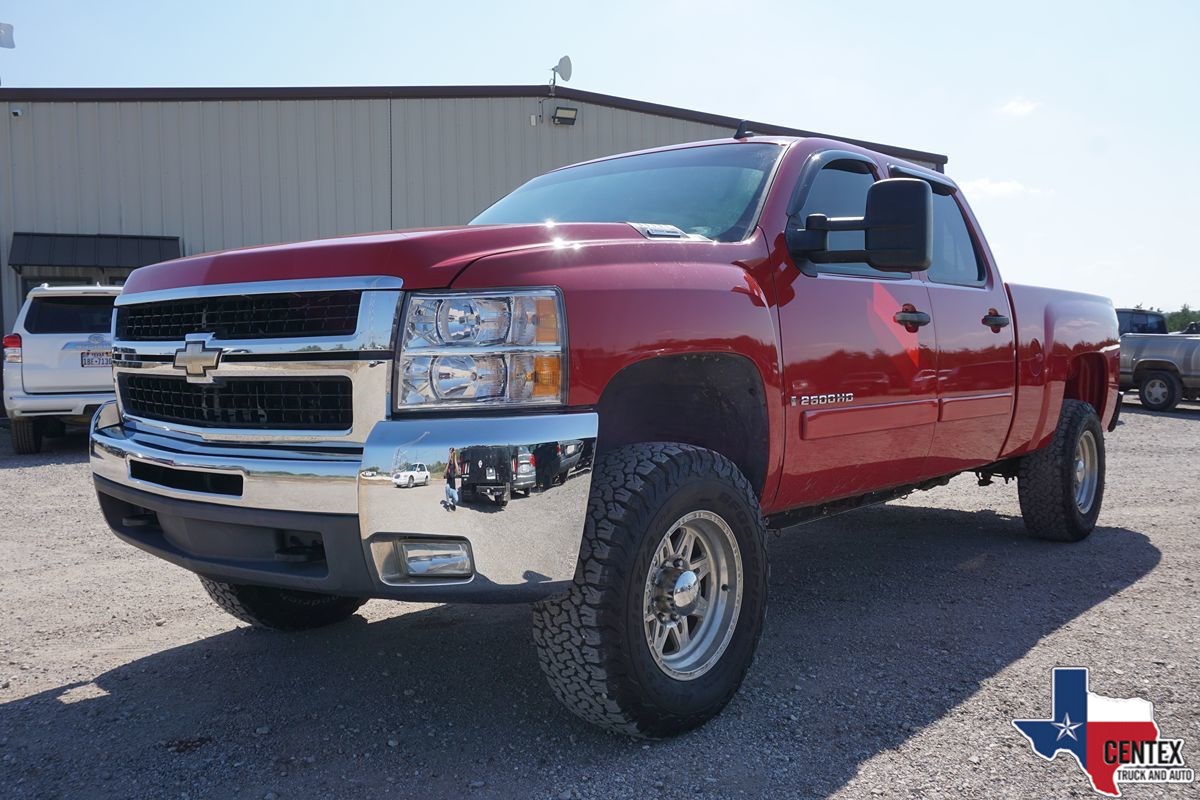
<point>898,226</point>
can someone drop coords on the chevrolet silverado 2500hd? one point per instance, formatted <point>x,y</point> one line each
<point>741,335</point>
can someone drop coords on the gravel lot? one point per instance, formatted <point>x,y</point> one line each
<point>900,642</point>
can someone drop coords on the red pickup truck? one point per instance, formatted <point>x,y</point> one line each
<point>698,344</point>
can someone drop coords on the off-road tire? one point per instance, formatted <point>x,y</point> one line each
<point>1045,479</point>
<point>590,640</point>
<point>26,435</point>
<point>281,609</point>
<point>1174,390</point>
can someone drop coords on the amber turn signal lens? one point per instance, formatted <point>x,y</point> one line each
<point>547,376</point>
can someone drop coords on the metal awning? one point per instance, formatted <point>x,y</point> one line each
<point>90,251</point>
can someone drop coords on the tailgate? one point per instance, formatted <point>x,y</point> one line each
<point>66,345</point>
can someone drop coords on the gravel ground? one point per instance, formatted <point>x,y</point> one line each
<point>900,642</point>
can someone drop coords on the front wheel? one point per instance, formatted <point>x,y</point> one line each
<point>282,609</point>
<point>1061,486</point>
<point>662,621</point>
<point>410,481</point>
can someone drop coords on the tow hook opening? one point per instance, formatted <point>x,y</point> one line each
<point>294,549</point>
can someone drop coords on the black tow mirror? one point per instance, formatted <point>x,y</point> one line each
<point>898,227</point>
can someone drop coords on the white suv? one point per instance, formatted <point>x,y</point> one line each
<point>410,475</point>
<point>58,361</point>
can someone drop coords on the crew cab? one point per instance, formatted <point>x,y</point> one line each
<point>738,336</point>
<point>57,361</point>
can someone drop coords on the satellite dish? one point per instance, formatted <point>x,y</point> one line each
<point>564,68</point>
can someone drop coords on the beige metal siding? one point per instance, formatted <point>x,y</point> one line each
<point>452,158</point>
<point>231,173</point>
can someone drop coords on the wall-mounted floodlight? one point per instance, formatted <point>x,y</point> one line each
<point>564,115</point>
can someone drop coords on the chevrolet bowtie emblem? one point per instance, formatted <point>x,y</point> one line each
<point>196,359</point>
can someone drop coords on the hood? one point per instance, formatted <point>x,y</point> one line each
<point>428,258</point>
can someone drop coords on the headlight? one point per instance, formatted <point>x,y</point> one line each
<point>481,349</point>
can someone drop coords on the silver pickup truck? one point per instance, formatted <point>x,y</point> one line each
<point>1163,369</point>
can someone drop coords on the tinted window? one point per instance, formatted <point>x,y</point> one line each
<point>84,314</point>
<point>1130,321</point>
<point>954,257</point>
<point>1124,321</point>
<point>840,190</point>
<point>711,191</point>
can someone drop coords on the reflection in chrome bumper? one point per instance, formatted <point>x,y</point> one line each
<point>522,551</point>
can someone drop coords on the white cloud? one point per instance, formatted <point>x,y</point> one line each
<point>987,187</point>
<point>1018,107</point>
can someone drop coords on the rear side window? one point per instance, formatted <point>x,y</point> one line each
<point>954,258</point>
<point>82,314</point>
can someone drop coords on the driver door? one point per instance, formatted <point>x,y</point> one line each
<point>861,388</point>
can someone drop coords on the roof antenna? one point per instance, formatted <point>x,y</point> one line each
<point>742,131</point>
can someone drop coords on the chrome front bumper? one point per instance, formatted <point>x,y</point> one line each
<point>242,513</point>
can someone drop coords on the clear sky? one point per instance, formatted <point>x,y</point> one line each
<point>1071,125</point>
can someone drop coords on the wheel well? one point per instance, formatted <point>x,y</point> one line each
<point>1087,380</point>
<point>711,400</point>
<point>1154,366</point>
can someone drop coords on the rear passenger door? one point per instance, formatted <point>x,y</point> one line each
<point>860,386</point>
<point>976,361</point>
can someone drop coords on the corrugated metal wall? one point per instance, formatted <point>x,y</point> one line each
<point>232,173</point>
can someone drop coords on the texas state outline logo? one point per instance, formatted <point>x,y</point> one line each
<point>1114,740</point>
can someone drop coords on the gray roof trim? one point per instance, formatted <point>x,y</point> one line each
<point>435,92</point>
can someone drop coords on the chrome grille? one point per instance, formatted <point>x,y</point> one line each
<point>251,316</point>
<point>318,403</point>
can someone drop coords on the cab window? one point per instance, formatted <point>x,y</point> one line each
<point>1141,322</point>
<point>955,260</point>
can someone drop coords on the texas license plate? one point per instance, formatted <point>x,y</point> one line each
<point>491,473</point>
<point>95,358</point>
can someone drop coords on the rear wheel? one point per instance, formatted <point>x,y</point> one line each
<point>661,623</point>
<point>1061,486</point>
<point>26,435</point>
<point>281,609</point>
<point>1160,390</point>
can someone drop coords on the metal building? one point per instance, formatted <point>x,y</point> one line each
<point>95,182</point>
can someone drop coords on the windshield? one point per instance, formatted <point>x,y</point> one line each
<point>713,191</point>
